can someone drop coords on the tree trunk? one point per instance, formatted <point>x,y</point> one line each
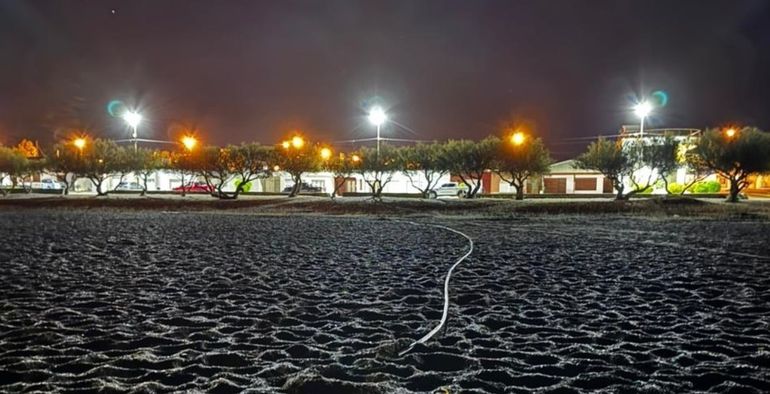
<point>620,196</point>
<point>66,190</point>
<point>734,189</point>
<point>98,185</point>
<point>519,192</point>
<point>144,181</point>
<point>475,189</point>
<point>337,186</point>
<point>297,185</point>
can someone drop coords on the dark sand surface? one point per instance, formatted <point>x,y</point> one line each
<point>226,302</point>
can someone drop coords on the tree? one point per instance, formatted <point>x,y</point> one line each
<point>608,158</point>
<point>29,149</point>
<point>298,157</point>
<point>102,159</point>
<point>428,161</point>
<point>186,164</point>
<point>663,155</point>
<point>694,165</point>
<point>341,166</point>
<point>66,163</point>
<point>377,169</point>
<point>149,162</point>
<point>517,162</point>
<point>247,162</point>
<point>127,161</point>
<point>735,156</point>
<point>13,165</point>
<point>469,159</point>
<point>648,156</point>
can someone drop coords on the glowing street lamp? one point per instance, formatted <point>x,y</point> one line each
<point>297,142</point>
<point>355,158</point>
<point>642,110</point>
<point>731,132</point>
<point>189,142</point>
<point>377,117</point>
<point>133,119</point>
<point>518,138</point>
<point>326,153</point>
<point>286,144</point>
<point>79,143</point>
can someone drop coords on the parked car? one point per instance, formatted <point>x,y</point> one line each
<point>450,189</point>
<point>43,184</point>
<point>129,186</point>
<point>195,187</point>
<point>51,184</point>
<point>304,188</point>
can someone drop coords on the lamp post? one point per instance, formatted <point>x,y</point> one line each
<point>377,117</point>
<point>79,143</point>
<point>642,110</point>
<point>133,119</point>
<point>518,138</point>
<point>189,142</point>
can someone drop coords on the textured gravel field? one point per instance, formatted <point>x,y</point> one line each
<point>229,302</point>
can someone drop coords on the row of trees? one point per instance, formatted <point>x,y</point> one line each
<point>733,154</point>
<point>425,164</point>
<point>627,163</point>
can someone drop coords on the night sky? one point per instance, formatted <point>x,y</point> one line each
<point>254,70</point>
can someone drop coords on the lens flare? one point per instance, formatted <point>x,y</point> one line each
<point>115,108</point>
<point>659,98</point>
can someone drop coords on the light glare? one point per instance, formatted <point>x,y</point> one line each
<point>643,109</point>
<point>518,138</point>
<point>377,116</point>
<point>189,142</point>
<point>297,142</point>
<point>79,143</point>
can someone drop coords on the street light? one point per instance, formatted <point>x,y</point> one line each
<point>189,142</point>
<point>297,142</point>
<point>642,110</point>
<point>286,144</point>
<point>133,119</point>
<point>518,138</point>
<point>326,153</point>
<point>377,117</point>
<point>730,133</point>
<point>79,143</point>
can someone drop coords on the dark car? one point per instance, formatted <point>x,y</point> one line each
<point>304,188</point>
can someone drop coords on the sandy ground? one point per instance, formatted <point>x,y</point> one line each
<point>228,301</point>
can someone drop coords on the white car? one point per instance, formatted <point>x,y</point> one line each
<point>129,186</point>
<point>44,184</point>
<point>450,189</point>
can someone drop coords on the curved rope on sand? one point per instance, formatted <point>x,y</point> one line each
<point>446,286</point>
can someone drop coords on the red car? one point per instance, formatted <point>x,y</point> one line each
<point>195,187</point>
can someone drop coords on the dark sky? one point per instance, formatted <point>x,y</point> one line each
<point>253,70</point>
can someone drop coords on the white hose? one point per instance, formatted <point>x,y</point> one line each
<point>446,287</point>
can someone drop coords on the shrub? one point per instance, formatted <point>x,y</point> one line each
<point>707,187</point>
<point>246,186</point>
<point>675,188</point>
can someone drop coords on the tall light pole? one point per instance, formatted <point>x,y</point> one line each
<point>133,119</point>
<point>642,110</point>
<point>377,117</point>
